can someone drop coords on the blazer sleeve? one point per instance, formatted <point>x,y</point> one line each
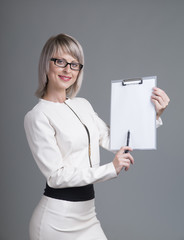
<point>42,142</point>
<point>104,132</point>
<point>159,122</point>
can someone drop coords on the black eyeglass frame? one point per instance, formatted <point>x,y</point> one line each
<point>55,59</point>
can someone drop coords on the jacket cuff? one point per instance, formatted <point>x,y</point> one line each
<point>159,122</point>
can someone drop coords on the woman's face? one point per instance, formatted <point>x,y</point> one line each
<point>59,79</point>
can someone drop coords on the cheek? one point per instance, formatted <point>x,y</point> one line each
<point>76,75</point>
<point>52,73</point>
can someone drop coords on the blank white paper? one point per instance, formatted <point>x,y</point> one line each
<point>132,109</point>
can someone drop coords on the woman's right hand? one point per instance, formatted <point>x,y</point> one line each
<point>123,159</point>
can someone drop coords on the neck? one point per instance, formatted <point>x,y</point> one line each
<point>56,97</point>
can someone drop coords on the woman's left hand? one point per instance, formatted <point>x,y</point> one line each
<point>160,100</point>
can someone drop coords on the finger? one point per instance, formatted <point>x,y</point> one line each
<point>155,102</point>
<point>131,159</point>
<point>122,156</point>
<point>123,149</point>
<point>129,156</point>
<point>123,160</point>
<point>127,148</point>
<point>160,100</point>
<point>158,107</point>
<point>160,92</point>
<point>127,166</point>
<point>124,163</point>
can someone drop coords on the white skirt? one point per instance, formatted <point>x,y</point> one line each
<point>56,219</point>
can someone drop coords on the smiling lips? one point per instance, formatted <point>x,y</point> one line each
<point>64,78</point>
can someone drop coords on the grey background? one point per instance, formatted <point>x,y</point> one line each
<point>121,39</point>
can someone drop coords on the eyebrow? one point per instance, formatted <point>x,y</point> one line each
<point>73,61</point>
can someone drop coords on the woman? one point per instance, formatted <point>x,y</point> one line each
<point>64,134</point>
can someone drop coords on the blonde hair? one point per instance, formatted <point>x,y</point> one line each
<point>66,44</point>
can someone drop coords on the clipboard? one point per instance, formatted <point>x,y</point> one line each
<point>132,110</point>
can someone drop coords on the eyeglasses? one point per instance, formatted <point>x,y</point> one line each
<point>63,63</point>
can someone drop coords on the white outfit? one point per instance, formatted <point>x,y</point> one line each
<point>59,144</point>
<point>55,219</point>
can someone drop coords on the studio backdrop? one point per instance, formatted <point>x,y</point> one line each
<point>121,39</point>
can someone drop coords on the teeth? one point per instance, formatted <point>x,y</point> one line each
<point>66,78</point>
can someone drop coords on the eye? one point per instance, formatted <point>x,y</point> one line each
<point>61,62</point>
<point>75,65</point>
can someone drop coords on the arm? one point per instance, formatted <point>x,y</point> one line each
<point>104,131</point>
<point>41,138</point>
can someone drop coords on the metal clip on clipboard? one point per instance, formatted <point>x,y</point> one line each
<point>132,81</point>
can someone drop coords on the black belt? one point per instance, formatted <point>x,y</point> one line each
<point>73,194</point>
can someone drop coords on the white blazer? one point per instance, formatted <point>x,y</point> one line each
<point>59,142</point>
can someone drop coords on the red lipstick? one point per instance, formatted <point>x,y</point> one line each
<point>64,78</point>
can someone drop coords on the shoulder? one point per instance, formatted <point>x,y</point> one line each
<point>34,115</point>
